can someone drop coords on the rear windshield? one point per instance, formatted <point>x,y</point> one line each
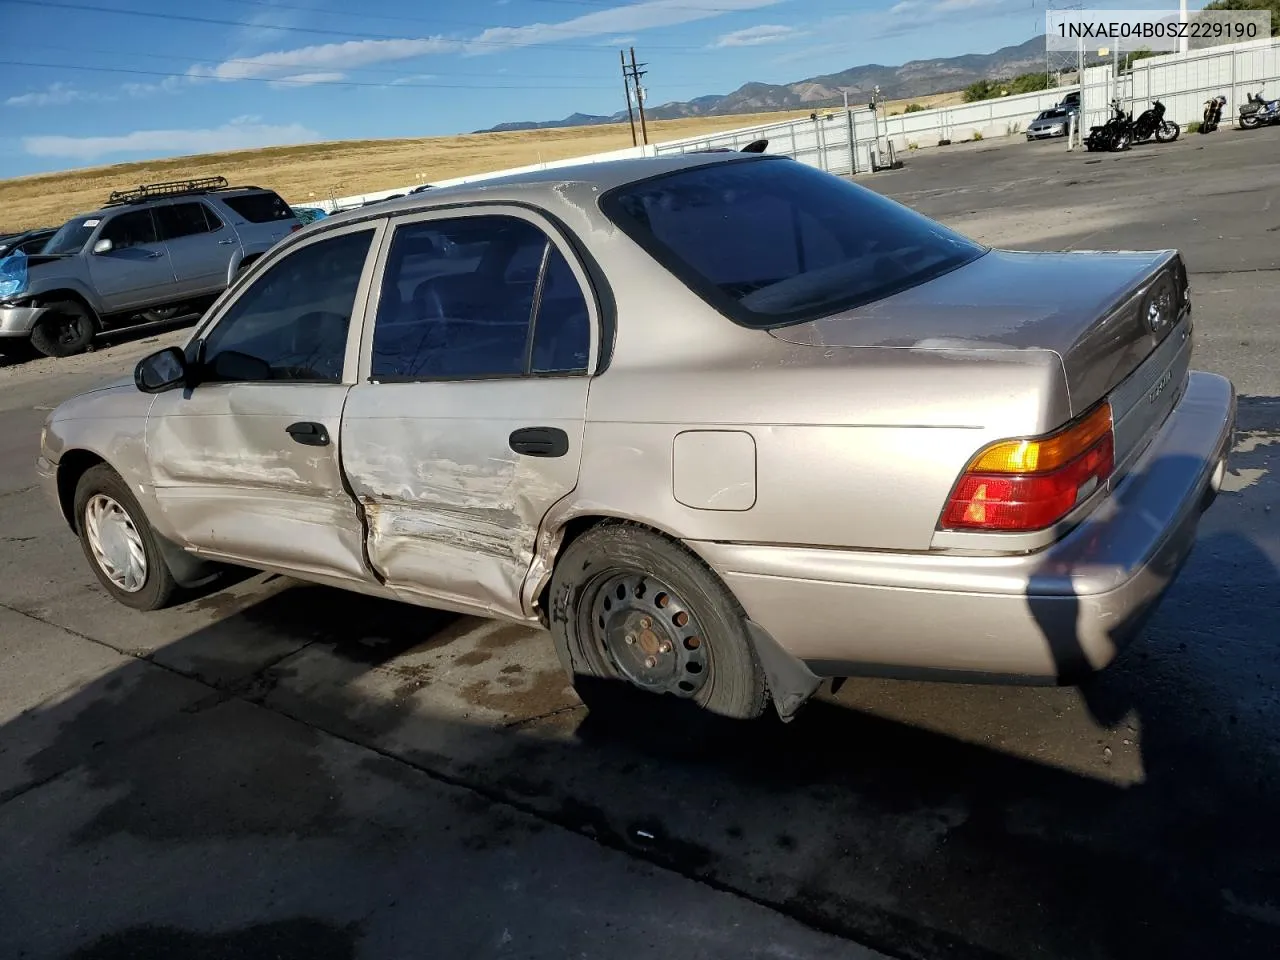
<point>259,207</point>
<point>773,241</point>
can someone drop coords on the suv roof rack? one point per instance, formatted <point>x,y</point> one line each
<point>170,188</point>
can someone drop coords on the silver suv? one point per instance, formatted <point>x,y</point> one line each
<point>148,253</point>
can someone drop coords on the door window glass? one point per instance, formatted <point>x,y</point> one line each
<point>130,229</point>
<point>291,323</point>
<point>562,330</point>
<point>181,220</point>
<point>452,306</point>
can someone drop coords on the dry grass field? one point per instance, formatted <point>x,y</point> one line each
<point>316,171</point>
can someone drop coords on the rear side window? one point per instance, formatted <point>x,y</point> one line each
<point>771,242</point>
<point>183,220</point>
<point>259,207</point>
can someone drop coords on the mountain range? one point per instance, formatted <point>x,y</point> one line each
<point>916,78</point>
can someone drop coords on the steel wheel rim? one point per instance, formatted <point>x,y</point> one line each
<point>115,543</point>
<point>647,633</point>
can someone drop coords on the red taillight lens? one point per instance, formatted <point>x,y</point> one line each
<point>1031,484</point>
<point>295,228</point>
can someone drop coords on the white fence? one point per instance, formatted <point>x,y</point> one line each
<point>842,141</point>
<point>823,140</point>
<point>1184,81</point>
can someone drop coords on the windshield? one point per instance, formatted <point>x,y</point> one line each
<point>71,236</point>
<point>770,242</point>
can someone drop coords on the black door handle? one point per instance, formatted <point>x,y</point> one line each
<point>540,441</point>
<point>311,434</point>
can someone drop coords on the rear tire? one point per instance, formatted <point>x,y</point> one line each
<point>119,543</point>
<point>66,328</point>
<point>1249,122</point>
<point>640,621</point>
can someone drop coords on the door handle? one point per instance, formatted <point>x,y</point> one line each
<point>540,441</point>
<point>154,255</point>
<point>223,243</point>
<point>308,433</point>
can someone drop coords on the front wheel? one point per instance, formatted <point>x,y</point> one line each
<point>65,328</point>
<point>119,543</point>
<point>634,611</point>
<point>1168,131</point>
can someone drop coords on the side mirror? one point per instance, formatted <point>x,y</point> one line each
<point>160,371</point>
<point>103,246</point>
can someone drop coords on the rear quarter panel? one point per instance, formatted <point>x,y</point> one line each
<point>853,447</point>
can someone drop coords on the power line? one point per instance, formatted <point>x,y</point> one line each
<point>288,80</point>
<point>319,31</point>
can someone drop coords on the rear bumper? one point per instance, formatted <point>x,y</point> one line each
<point>19,321</point>
<point>1053,616</point>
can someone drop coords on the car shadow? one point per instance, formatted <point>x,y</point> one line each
<point>915,842</point>
<point>21,352</point>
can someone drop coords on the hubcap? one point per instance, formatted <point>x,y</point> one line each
<point>115,543</point>
<point>649,634</point>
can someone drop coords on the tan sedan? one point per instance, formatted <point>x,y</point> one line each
<point>724,424</point>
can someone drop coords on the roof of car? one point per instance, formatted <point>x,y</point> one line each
<point>233,191</point>
<point>604,175</point>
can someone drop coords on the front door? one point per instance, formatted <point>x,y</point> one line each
<point>200,246</point>
<point>136,271</point>
<point>247,465</point>
<point>467,424</point>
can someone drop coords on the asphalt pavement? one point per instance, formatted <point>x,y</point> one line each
<point>284,771</point>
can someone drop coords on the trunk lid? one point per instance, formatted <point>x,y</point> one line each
<point>1087,308</point>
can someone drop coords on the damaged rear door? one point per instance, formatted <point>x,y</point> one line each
<point>247,465</point>
<point>466,425</point>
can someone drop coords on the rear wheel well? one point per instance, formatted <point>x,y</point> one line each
<point>247,262</point>
<point>73,465</point>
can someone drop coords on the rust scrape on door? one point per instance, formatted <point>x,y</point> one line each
<point>460,530</point>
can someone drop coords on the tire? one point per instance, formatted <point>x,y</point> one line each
<point>691,647</point>
<point>66,328</point>
<point>115,512</point>
<point>1168,131</point>
<point>1249,122</point>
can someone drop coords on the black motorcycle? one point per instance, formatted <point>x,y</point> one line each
<point>1115,134</point>
<point>1153,124</point>
<point>1212,114</point>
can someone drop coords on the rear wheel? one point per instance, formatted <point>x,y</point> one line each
<point>1249,122</point>
<point>633,611</point>
<point>119,542</point>
<point>65,328</point>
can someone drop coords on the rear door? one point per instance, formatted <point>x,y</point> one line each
<point>136,270</point>
<point>467,422</point>
<point>247,465</point>
<point>200,246</point>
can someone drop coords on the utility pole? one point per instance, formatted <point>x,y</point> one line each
<point>636,74</point>
<point>626,87</point>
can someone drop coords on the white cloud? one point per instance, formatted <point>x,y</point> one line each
<point>55,95</point>
<point>617,22</point>
<point>167,85</point>
<point>308,79</point>
<point>617,41</point>
<point>242,133</point>
<point>413,78</point>
<point>628,17</point>
<point>755,36</point>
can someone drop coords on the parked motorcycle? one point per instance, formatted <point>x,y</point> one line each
<point>1115,134</point>
<point>1257,111</point>
<point>1153,124</point>
<point>1212,114</point>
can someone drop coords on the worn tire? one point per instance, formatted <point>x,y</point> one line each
<point>67,328</point>
<point>735,685</point>
<point>159,587</point>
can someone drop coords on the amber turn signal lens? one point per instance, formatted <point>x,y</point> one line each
<point>1047,454</point>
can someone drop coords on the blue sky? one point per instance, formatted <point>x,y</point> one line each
<point>84,83</point>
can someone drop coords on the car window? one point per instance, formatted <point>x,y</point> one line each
<point>773,241</point>
<point>72,235</point>
<point>211,219</point>
<point>562,327</point>
<point>181,220</point>
<point>260,207</point>
<point>292,321</point>
<point>130,229</point>
<point>451,307</point>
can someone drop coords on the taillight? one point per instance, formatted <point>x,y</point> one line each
<point>1032,484</point>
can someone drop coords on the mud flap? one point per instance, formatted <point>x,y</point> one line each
<point>188,570</point>
<point>791,683</point>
